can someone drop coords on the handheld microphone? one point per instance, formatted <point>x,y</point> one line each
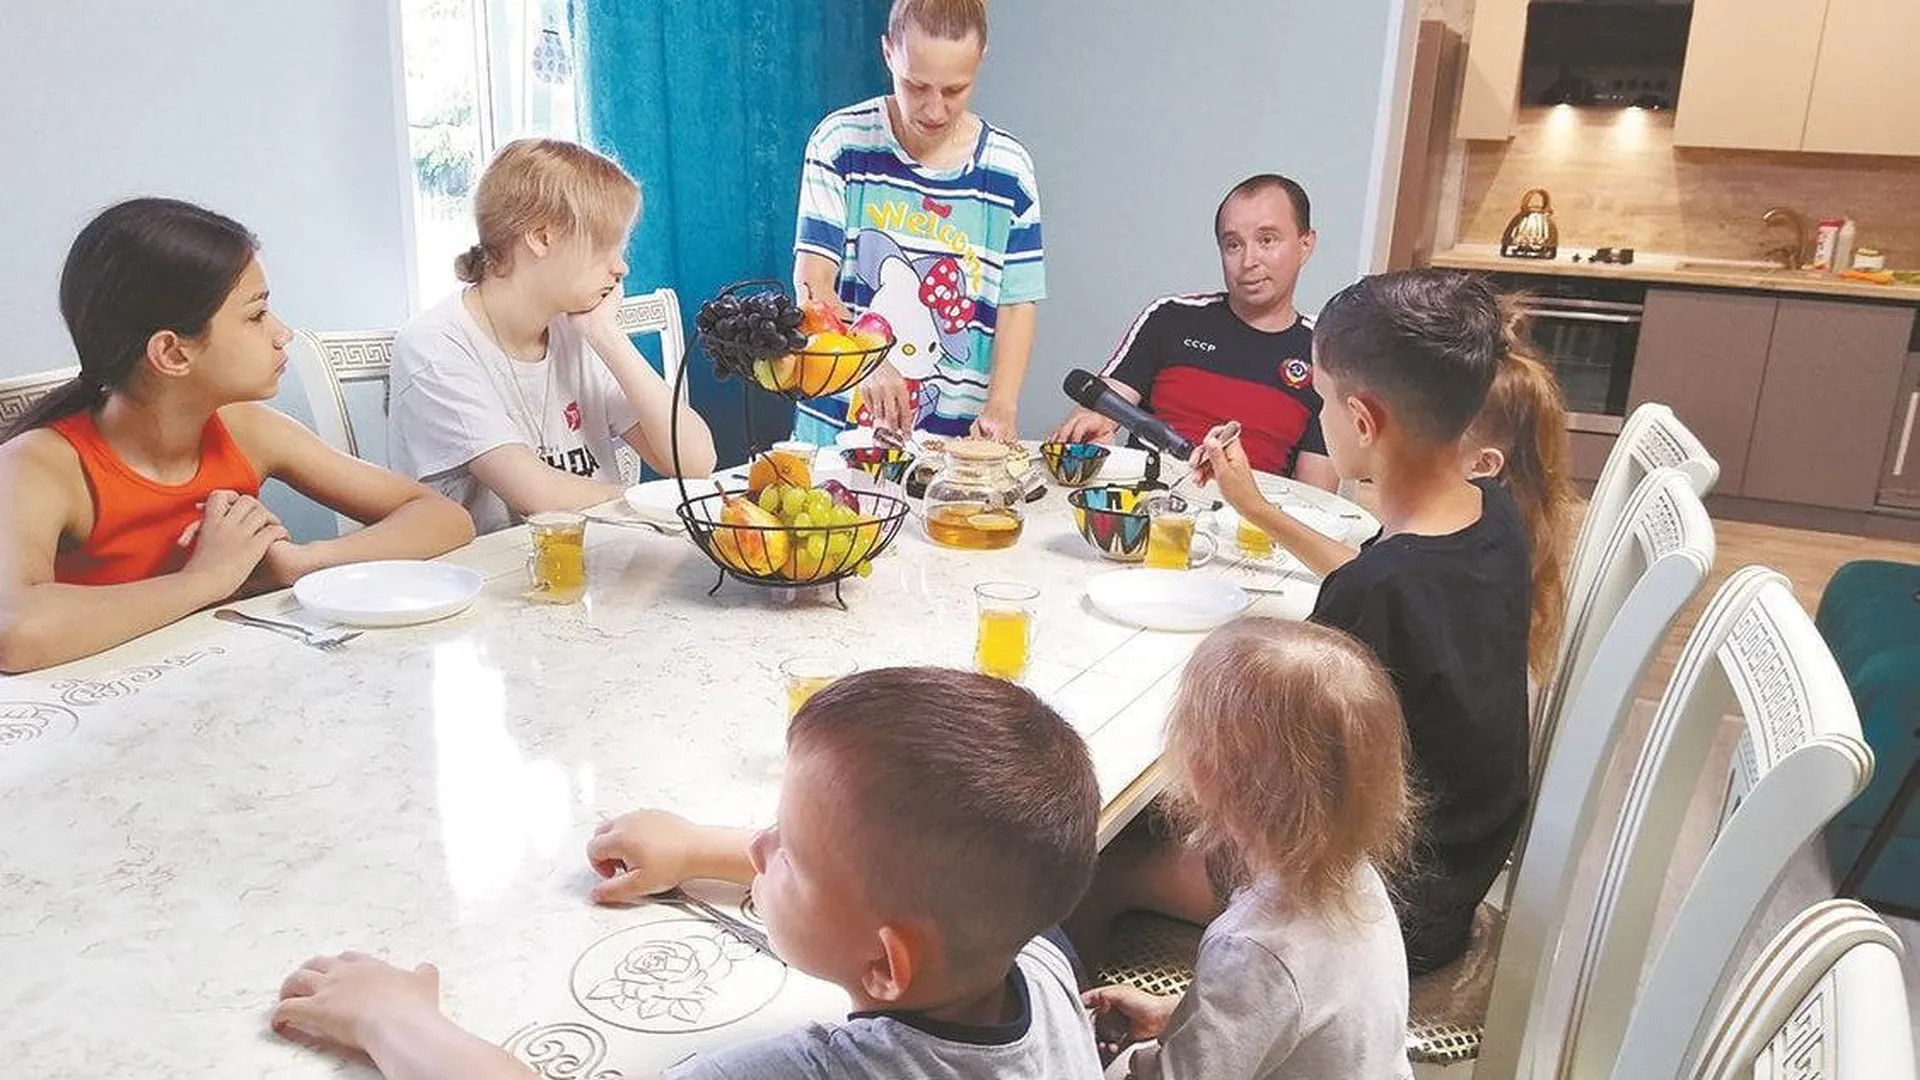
<point>1092,391</point>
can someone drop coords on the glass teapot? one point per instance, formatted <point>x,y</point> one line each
<point>974,502</point>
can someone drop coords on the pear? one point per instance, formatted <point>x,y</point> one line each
<point>759,549</point>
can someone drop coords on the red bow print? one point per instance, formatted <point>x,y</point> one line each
<point>941,293</point>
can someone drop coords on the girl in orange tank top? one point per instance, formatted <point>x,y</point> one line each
<point>131,493</point>
<point>139,524</point>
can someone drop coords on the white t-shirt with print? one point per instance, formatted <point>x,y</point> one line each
<point>456,395</point>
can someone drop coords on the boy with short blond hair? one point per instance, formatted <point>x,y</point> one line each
<point>933,826</point>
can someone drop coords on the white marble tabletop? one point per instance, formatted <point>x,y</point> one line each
<point>190,816</point>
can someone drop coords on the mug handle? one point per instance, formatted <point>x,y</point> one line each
<point>1213,548</point>
<point>533,579</point>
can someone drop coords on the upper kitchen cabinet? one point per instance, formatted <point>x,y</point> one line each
<point>1866,90</point>
<point>1491,94</point>
<point>1835,76</point>
<point>1607,53</point>
<point>1750,72</point>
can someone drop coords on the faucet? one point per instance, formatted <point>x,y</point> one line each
<point>1794,256</point>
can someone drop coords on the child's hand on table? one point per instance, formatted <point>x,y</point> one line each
<point>335,999</point>
<point>643,853</point>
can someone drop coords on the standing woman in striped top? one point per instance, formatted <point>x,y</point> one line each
<point>913,207</point>
<point>131,494</point>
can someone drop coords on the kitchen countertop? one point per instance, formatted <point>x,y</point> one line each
<point>1666,269</point>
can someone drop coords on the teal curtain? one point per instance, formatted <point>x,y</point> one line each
<point>709,104</point>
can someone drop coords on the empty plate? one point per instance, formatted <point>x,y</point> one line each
<point>1324,522</point>
<point>1178,600</point>
<point>658,501</point>
<point>394,592</point>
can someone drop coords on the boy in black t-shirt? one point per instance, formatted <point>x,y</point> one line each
<point>1441,595</point>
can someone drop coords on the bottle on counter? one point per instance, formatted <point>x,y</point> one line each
<point>1867,258</point>
<point>1826,240</point>
<point>1843,246</point>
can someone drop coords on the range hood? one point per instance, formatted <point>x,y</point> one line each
<point>1604,53</point>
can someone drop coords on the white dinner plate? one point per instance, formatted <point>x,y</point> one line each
<point>1177,600</point>
<point>393,592</point>
<point>658,501</point>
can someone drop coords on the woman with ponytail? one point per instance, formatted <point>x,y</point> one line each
<point>1520,437</point>
<point>132,492</point>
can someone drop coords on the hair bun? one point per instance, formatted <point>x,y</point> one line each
<point>471,265</point>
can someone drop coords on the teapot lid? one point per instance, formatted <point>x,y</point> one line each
<point>977,450</point>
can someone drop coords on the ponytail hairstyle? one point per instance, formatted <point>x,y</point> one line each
<point>140,267</point>
<point>532,183</point>
<point>1525,418</point>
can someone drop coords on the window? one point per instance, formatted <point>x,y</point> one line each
<point>478,73</point>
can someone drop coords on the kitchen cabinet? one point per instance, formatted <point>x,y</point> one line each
<point>1490,96</point>
<point>1750,73</point>
<point>1900,481</point>
<point>1866,89</point>
<point>1704,354</point>
<point>1833,376</point>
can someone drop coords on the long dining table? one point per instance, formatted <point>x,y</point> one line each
<point>191,815</point>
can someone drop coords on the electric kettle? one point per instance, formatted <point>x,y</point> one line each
<point>1531,234</point>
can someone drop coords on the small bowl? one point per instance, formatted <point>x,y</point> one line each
<point>1074,464</point>
<point>880,462</point>
<point>1113,519</point>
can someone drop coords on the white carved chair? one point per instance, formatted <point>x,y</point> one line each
<point>1825,999</point>
<point>657,312</point>
<point>1652,438</point>
<point>325,363</point>
<point>21,392</point>
<point>1653,565</point>
<point>1800,758</point>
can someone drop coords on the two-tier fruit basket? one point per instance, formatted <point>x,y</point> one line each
<point>789,533</point>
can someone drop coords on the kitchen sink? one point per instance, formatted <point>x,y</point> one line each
<point>1742,265</point>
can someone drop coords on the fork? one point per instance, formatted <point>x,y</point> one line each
<point>324,640</point>
<point>739,928</point>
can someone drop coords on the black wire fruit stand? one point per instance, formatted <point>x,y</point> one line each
<point>750,329</point>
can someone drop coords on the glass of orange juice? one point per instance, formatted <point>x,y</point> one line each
<point>806,676</point>
<point>1005,636</point>
<point>557,565</point>
<point>1172,532</point>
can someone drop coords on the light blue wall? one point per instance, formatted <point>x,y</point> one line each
<point>1140,114</point>
<point>280,113</point>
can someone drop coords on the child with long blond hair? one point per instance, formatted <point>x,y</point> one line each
<point>1520,439</point>
<point>1287,755</point>
<point>509,396</point>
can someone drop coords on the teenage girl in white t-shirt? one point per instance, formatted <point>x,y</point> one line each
<point>508,396</point>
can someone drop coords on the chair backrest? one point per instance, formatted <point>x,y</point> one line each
<point>657,312</point>
<point>1825,999</point>
<point>1800,759</point>
<point>1654,564</point>
<point>326,363</point>
<point>1662,518</point>
<point>1652,438</point>
<point>22,392</point>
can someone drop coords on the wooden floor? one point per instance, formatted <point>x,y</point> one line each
<point>1808,559</point>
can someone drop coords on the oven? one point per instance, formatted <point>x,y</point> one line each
<point>1586,330</point>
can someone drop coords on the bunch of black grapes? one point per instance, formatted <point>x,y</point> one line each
<point>738,330</point>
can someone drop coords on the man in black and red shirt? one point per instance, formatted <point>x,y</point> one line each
<point>1245,354</point>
